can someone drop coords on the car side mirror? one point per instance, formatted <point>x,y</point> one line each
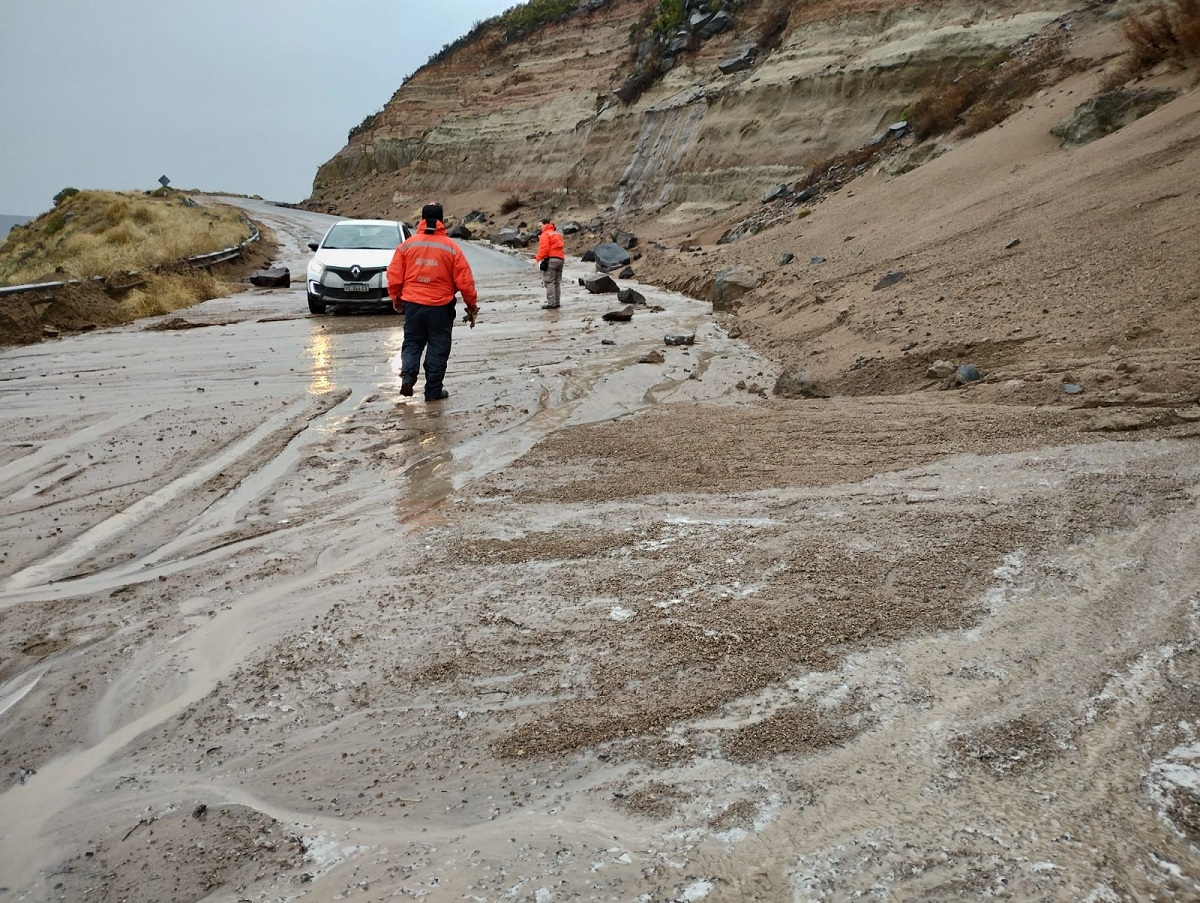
<point>313,245</point>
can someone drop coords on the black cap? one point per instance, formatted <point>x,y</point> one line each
<point>431,213</point>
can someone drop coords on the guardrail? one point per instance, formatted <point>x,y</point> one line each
<point>203,261</point>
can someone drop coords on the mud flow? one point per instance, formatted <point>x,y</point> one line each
<point>610,622</point>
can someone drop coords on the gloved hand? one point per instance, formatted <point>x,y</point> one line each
<point>470,315</point>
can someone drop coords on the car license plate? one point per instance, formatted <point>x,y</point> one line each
<point>356,287</point>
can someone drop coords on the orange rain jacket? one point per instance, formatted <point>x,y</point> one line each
<point>428,269</point>
<point>550,243</point>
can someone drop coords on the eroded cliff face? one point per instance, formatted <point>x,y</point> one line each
<point>538,119</point>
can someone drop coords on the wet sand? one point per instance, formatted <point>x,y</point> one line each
<point>590,629</point>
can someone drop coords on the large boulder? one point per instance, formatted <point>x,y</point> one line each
<point>599,284</point>
<point>625,239</point>
<point>796,383</point>
<point>778,193</point>
<point>513,238</point>
<point>733,282</point>
<point>610,256</point>
<point>738,62</point>
<point>720,21</point>
<point>276,277</point>
<point>624,315</point>
<point>1105,113</point>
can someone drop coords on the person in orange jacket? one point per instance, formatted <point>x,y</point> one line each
<point>550,259</point>
<point>424,274</point>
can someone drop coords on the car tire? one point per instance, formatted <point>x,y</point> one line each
<point>315,304</point>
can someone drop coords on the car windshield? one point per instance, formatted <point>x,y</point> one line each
<point>377,237</point>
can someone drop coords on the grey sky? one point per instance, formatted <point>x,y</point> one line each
<point>247,97</point>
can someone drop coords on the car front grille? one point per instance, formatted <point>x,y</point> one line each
<point>365,274</point>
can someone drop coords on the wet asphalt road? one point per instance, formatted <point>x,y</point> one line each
<point>145,417</point>
<point>224,478</point>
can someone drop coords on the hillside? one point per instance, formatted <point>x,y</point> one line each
<point>552,117</point>
<point>114,257</point>
<point>1038,264</point>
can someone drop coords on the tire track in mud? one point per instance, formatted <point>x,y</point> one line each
<point>171,679</point>
<point>288,423</point>
<point>224,587</point>
<point>209,652</point>
<point>46,455</point>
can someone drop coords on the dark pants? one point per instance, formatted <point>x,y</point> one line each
<point>427,329</point>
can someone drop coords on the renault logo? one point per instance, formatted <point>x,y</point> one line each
<point>356,271</point>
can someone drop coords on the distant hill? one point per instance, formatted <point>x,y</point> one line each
<point>7,222</point>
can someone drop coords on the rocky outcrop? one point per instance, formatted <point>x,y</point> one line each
<point>539,120</point>
<point>1103,115</point>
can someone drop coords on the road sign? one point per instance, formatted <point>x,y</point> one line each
<point>164,181</point>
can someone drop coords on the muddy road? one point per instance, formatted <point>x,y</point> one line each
<point>592,628</point>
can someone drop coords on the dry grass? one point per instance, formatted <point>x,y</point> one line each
<point>940,107</point>
<point>109,235</point>
<point>989,93</point>
<point>836,170</point>
<point>1156,34</point>
<point>511,204</point>
<point>100,233</point>
<point>166,293</point>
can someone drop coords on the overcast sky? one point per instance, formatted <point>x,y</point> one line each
<point>247,97</point>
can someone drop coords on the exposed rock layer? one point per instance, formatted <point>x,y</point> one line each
<point>538,117</point>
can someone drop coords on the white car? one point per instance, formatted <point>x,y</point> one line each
<point>348,270</point>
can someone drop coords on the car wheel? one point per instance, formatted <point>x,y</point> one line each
<point>315,304</point>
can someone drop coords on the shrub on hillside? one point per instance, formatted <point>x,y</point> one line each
<point>452,47</point>
<point>368,123</point>
<point>982,116</point>
<point>1158,33</point>
<point>54,223</point>
<point>836,170</point>
<point>988,94</point>
<point>64,194</point>
<point>938,109</point>
<point>521,21</point>
<point>670,14</point>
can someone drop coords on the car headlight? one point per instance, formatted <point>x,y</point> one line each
<point>315,268</point>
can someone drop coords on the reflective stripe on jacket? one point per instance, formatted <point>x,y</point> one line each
<point>428,269</point>
<point>550,243</point>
